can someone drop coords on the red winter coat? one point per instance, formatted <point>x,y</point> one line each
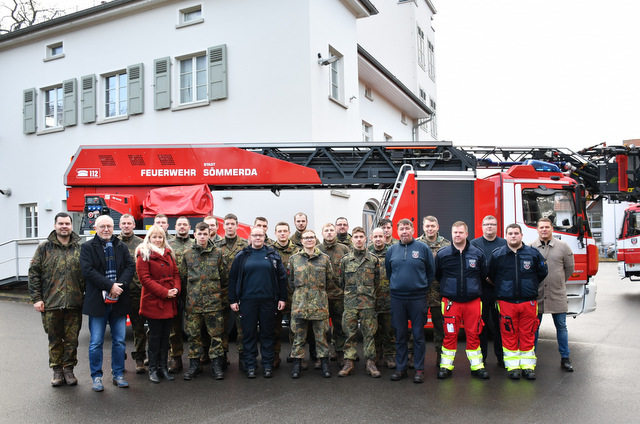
<point>157,276</point>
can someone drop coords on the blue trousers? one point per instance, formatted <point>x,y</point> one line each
<point>402,311</point>
<point>252,312</point>
<point>562,334</point>
<point>97,328</point>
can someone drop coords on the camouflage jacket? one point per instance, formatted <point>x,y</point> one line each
<point>383,295</point>
<point>229,252</point>
<point>433,295</point>
<point>179,245</point>
<point>286,252</point>
<point>133,241</point>
<point>360,279</point>
<point>55,276</point>
<point>346,240</point>
<point>200,272</point>
<point>308,277</point>
<point>336,252</point>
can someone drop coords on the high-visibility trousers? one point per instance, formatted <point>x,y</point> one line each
<point>456,314</point>
<point>518,325</point>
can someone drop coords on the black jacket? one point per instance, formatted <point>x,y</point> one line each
<point>93,264</point>
<point>461,273</point>
<point>278,274</point>
<point>517,274</point>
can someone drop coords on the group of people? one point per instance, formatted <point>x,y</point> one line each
<point>208,282</point>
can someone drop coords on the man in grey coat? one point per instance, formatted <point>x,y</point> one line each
<point>552,292</point>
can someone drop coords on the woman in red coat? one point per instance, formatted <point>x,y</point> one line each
<point>160,279</point>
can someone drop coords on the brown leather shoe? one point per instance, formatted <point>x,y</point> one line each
<point>58,377</point>
<point>390,361</point>
<point>69,378</point>
<point>276,361</point>
<point>175,364</point>
<point>140,366</point>
<point>347,368</point>
<point>371,369</point>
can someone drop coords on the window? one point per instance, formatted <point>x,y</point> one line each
<point>421,61</point>
<point>53,107</point>
<point>432,61</point>
<point>557,205</point>
<point>367,131</point>
<point>423,95</point>
<point>193,79</point>
<point>115,95</point>
<point>30,213</point>
<point>434,124</point>
<point>337,76</point>
<point>387,137</point>
<point>54,51</point>
<point>190,16</point>
<point>403,118</point>
<point>368,93</point>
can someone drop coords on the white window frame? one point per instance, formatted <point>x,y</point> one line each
<point>193,79</point>
<point>367,131</point>
<point>52,52</point>
<point>29,212</point>
<point>368,93</point>
<point>191,15</point>
<point>432,60</point>
<point>423,94</point>
<point>434,124</point>
<point>121,94</point>
<point>56,119</point>
<point>336,77</point>
<point>421,54</point>
<point>387,137</point>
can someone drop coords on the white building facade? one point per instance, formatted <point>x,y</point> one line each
<point>211,71</point>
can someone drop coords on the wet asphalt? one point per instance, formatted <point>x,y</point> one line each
<point>605,350</point>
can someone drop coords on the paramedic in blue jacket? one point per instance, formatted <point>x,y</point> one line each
<point>411,269</point>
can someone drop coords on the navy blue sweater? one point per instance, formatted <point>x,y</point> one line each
<point>410,268</point>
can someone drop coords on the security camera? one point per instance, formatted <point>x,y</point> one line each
<point>325,62</point>
<point>5,192</point>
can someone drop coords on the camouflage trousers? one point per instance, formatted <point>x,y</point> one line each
<point>299,328</point>
<point>62,327</point>
<point>137,325</point>
<point>368,326</point>
<point>385,337</point>
<point>213,322</point>
<point>336,309</point>
<point>176,340</point>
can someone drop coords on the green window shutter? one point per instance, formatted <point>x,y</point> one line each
<point>29,111</point>
<point>217,72</point>
<point>135,81</point>
<point>69,103</point>
<point>88,98</point>
<point>162,83</point>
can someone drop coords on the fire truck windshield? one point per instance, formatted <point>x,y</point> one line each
<point>557,205</point>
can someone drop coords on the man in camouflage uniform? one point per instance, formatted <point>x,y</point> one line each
<point>435,241</point>
<point>213,228</point>
<point>360,279</point>
<point>180,244</point>
<point>387,226</point>
<point>300,221</point>
<point>285,249</point>
<point>385,338</point>
<point>230,245</point>
<point>342,231</point>
<point>127,225</point>
<point>56,287</point>
<point>162,220</point>
<point>336,251</point>
<point>261,222</point>
<point>309,273</point>
<point>201,271</point>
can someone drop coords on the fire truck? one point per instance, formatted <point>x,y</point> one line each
<point>418,179</point>
<point>627,248</point>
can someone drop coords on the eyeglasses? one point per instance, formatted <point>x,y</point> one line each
<point>489,225</point>
<point>308,238</point>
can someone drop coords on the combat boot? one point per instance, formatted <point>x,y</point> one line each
<point>140,366</point>
<point>216,368</point>
<point>69,378</point>
<point>153,368</point>
<point>318,364</point>
<point>324,365</point>
<point>347,368</point>
<point>371,369</point>
<point>304,365</point>
<point>162,366</point>
<point>194,369</point>
<point>176,364</point>
<point>390,361</point>
<point>295,371</point>
<point>58,377</point>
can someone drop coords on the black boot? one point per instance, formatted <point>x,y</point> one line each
<point>153,367</point>
<point>324,365</point>
<point>297,364</point>
<point>194,369</point>
<point>163,367</point>
<point>216,368</point>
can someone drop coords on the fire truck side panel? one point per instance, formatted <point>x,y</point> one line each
<point>486,202</point>
<point>406,205</point>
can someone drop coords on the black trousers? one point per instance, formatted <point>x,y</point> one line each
<point>252,313</point>
<point>159,330</point>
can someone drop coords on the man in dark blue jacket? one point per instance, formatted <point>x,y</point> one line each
<point>460,269</point>
<point>108,270</point>
<point>517,270</point>
<point>410,268</point>
<point>257,286</point>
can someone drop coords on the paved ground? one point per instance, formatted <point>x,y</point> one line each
<point>604,388</point>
